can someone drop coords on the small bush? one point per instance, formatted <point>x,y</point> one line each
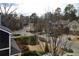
<point>69,39</point>
<point>46,48</point>
<point>68,50</point>
<point>78,38</point>
<point>25,48</point>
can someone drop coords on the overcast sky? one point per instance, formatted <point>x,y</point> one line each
<point>39,6</point>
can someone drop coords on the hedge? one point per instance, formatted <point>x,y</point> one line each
<point>32,40</point>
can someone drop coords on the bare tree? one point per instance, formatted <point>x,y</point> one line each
<point>6,8</point>
<point>57,13</point>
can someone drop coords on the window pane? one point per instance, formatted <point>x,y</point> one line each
<point>4,39</point>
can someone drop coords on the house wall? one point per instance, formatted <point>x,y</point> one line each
<point>73,26</point>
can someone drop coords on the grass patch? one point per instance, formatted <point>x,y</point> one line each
<point>33,53</point>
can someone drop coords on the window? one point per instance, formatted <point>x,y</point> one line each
<point>74,27</point>
<point>4,39</point>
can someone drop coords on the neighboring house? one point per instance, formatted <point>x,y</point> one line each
<point>59,23</point>
<point>7,45</point>
<point>30,27</point>
<point>58,26</point>
<point>74,26</point>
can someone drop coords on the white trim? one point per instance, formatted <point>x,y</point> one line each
<point>18,54</point>
<point>4,49</point>
<point>5,31</point>
<point>9,44</point>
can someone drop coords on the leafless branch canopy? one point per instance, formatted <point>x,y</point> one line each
<point>6,8</point>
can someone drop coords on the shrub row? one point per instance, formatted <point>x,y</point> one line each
<point>29,40</point>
